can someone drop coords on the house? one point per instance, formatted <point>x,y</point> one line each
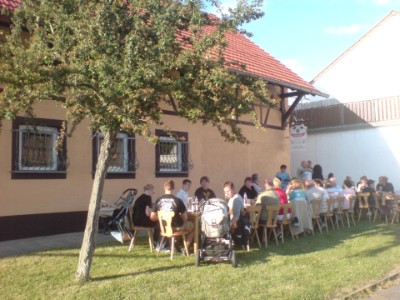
<point>46,192</point>
<point>356,132</point>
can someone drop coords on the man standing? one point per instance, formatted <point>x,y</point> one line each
<point>169,202</point>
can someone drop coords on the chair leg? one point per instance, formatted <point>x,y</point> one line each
<point>132,244</point>
<point>394,216</point>
<point>291,231</point>
<point>172,247</point>
<point>326,223</point>
<point>359,214</point>
<point>265,236</point>
<point>258,238</point>
<point>162,242</point>
<point>276,237</point>
<point>347,217</point>
<point>283,233</point>
<point>151,243</point>
<point>186,247</point>
<point>352,217</point>
<point>319,226</point>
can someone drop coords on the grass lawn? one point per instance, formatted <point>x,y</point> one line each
<point>321,267</point>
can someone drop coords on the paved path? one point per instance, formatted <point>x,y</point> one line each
<point>68,240</point>
<point>73,240</point>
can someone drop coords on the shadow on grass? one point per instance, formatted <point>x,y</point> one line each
<point>154,270</point>
<point>328,240</point>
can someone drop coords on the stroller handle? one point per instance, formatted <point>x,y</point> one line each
<point>133,191</point>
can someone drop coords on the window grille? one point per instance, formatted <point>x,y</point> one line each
<point>34,152</point>
<point>172,156</point>
<point>123,160</point>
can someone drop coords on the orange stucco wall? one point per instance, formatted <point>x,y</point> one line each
<point>210,155</point>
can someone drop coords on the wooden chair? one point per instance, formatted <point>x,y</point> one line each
<point>339,213</point>
<point>387,202</point>
<point>315,206</point>
<point>328,215</point>
<point>350,212</point>
<point>287,222</point>
<point>396,207</point>
<point>378,205</point>
<point>363,205</point>
<point>272,219</point>
<point>254,216</point>
<point>136,229</point>
<point>165,219</point>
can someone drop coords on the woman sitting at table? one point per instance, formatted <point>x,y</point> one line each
<point>296,191</point>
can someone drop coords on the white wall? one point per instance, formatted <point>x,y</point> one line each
<point>372,152</point>
<point>368,70</point>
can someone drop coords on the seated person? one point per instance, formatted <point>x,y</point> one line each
<point>240,228</point>
<point>283,198</point>
<point>248,189</point>
<point>169,202</point>
<point>142,209</point>
<point>203,192</point>
<point>268,197</point>
<point>295,191</point>
<point>348,191</point>
<point>183,193</point>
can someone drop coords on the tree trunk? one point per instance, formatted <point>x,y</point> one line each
<point>89,239</point>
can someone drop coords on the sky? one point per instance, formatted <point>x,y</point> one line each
<point>307,35</point>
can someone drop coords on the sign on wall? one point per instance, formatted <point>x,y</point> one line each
<point>298,137</point>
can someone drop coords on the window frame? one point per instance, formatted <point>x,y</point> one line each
<point>183,154</point>
<point>59,168</point>
<point>130,150</point>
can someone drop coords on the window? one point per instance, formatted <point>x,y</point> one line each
<point>122,162</point>
<point>34,153</point>
<point>172,155</point>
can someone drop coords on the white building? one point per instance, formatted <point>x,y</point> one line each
<point>357,131</point>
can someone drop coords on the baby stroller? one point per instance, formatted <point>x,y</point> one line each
<point>215,242</point>
<point>112,217</point>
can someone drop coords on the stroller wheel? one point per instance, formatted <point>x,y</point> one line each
<point>233,259</point>
<point>198,258</point>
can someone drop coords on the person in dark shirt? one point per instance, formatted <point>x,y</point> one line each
<point>142,208</point>
<point>384,185</point>
<point>169,202</point>
<point>203,192</point>
<point>248,189</point>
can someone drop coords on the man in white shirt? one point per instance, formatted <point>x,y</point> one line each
<point>183,193</point>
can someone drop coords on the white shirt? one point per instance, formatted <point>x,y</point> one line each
<point>183,195</point>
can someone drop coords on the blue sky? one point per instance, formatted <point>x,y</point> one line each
<point>307,35</point>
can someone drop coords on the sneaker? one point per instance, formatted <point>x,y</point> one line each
<point>323,225</point>
<point>165,250</point>
<point>297,224</point>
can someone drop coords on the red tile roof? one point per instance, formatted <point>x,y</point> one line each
<point>243,51</point>
<point>10,4</point>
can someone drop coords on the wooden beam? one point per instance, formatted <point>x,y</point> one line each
<point>292,94</point>
<point>287,114</point>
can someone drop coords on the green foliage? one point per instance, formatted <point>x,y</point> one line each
<point>327,266</point>
<point>119,62</point>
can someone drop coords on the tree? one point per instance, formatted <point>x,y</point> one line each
<point>117,62</point>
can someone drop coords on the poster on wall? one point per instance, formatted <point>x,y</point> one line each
<point>298,137</point>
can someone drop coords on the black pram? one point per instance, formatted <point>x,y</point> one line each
<point>113,217</point>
